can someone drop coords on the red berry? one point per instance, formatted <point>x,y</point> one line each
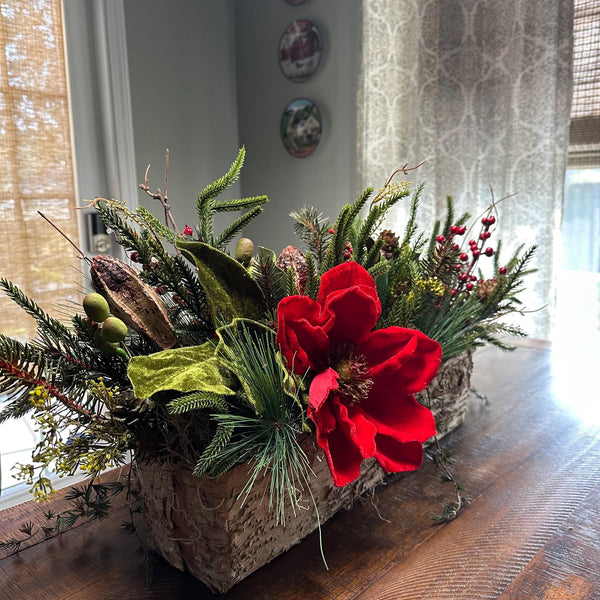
<point>440,239</point>
<point>489,251</point>
<point>455,246</point>
<point>463,277</point>
<point>491,219</point>
<point>472,243</point>
<point>502,270</point>
<point>453,292</point>
<point>476,252</point>
<point>485,221</point>
<point>461,230</point>
<point>331,230</point>
<point>464,257</point>
<point>188,230</point>
<point>470,286</point>
<point>473,278</point>
<point>454,229</point>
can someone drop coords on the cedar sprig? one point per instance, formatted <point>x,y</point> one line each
<point>313,279</point>
<point>197,401</point>
<point>207,205</point>
<point>213,455</point>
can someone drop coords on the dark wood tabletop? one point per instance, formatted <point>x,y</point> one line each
<point>528,458</point>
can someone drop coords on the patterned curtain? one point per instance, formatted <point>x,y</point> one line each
<point>481,90</point>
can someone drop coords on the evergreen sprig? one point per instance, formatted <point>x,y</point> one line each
<point>207,205</point>
<point>313,229</point>
<point>197,401</point>
<point>266,432</point>
<point>270,278</point>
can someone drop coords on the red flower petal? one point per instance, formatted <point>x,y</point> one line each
<point>360,430</point>
<point>300,333</point>
<point>347,444</point>
<point>396,457</point>
<point>409,354</point>
<point>356,313</point>
<point>320,388</point>
<point>347,275</point>
<point>398,416</point>
<point>343,457</point>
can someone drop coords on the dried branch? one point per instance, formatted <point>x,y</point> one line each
<point>404,170</point>
<point>158,195</point>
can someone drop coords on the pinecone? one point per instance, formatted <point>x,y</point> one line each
<point>390,243</point>
<point>486,288</point>
<point>293,258</point>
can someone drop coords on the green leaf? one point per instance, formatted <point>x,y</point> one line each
<point>194,368</point>
<point>230,290</point>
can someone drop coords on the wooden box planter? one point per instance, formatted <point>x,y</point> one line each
<point>203,526</point>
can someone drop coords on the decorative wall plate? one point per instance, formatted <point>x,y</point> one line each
<point>301,127</point>
<point>300,50</point>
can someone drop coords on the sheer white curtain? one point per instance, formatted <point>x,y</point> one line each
<point>481,90</point>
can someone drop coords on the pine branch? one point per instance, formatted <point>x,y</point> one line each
<point>313,229</point>
<point>270,278</point>
<point>154,225</point>
<point>53,327</point>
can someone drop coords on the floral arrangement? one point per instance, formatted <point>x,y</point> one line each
<point>208,360</point>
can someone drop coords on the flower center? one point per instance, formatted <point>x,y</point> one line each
<point>352,368</point>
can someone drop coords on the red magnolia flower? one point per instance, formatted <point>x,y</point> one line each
<point>361,396</point>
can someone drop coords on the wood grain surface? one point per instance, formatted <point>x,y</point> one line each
<point>531,531</point>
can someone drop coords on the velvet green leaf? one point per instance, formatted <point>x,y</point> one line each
<point>193,368</point>
<point>230,290</point>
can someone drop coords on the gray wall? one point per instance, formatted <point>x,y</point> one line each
<point>204,80</point>
<point>183,92</point>
<point>326,179</point>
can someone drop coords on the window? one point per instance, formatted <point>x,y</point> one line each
<point>578,302</point>
<point>36,174</point>
<point>36,159</point>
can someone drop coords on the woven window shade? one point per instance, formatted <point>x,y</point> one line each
<point>584,144</point>
<point>36,166</point>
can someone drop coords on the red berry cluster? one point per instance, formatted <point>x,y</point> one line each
<point>468,260</point>
<point>348,251</point>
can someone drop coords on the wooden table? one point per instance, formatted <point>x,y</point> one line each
<point>529,463</point>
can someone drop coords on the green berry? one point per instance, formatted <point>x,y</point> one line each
<point>114,330</point>
<point>96,307</point>
<point>105,347</point>
<point>244,251</point>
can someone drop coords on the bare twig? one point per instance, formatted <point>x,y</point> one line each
<point>404,170</point>
<point>158,195</point>
<point>81,252</point>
